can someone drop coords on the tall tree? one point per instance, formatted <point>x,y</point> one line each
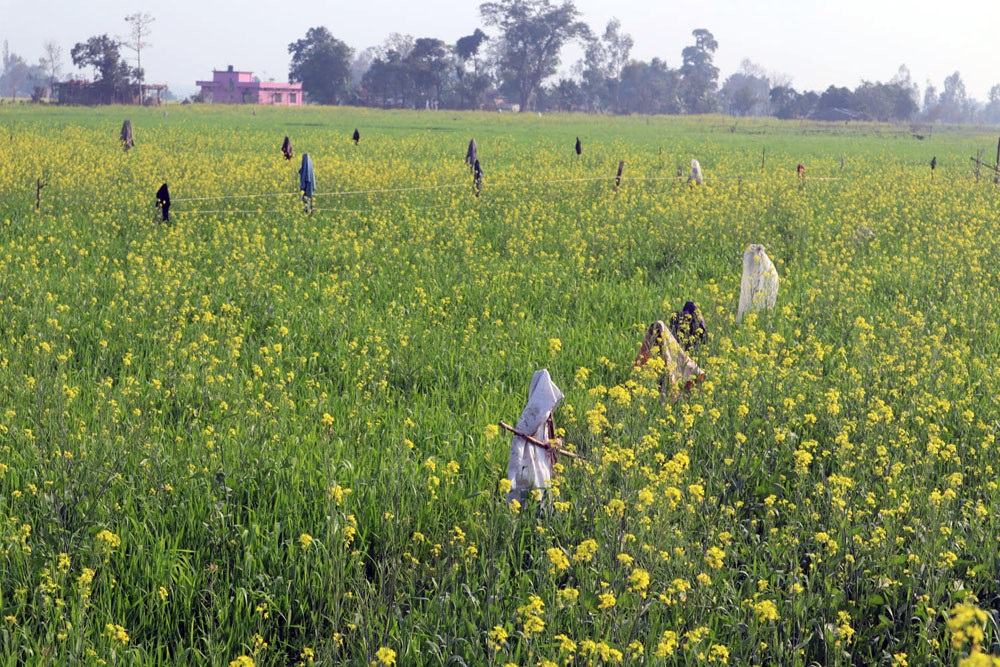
<point>904,79</point>
<point>955,104</point>
<point>387,81</point>
<point>51,61</point>
<point>468,47</point>
<point>15,73</point>
<point>113,76</point>
<point>427,66</point>
<point>649,88</point>
<point>699,75</point>
<point>322,64</point>
<point>471,85</point>
<point>787,103</point>
<point>139,29</point>
<point>931,108</point>
<point>745,93</point>
<point>532,33</point>
<point>992,111</point>
<point>603,61</point>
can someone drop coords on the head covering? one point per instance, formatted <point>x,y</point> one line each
<point>530,466</point>
<point>127,138</point>
<point>163,202</point>
<point>759,286</point>
<point>688,326</point>
<point>696,174</point>
<point>477,177</point>
<point>307,176</point>
<point>472,154</point>
<point>680,372</point>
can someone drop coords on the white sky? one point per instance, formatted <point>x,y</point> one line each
<point>816,43</point>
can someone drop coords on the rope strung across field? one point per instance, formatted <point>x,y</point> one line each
<point>285,210</point>
<point>337,193</point>
<point>377,191</point>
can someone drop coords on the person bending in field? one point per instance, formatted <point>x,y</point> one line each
<point>688,326</point>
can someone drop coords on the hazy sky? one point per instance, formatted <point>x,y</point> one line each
<point>815,43</point>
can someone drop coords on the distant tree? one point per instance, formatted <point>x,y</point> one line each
<point>113,77</point>
<point>427,66</point>
<point>468,47</point>
<point>904,80</point>
<point>565,96</point>
<point>601,69</point>
<point>387,82</point>
<point>836,104</point>
<point>699,75</point>
<point>787,103</point>
<point>322,64</point>
<point>930,107</point>
<point>470,86</point>
<point>649,88</point>
<point>991,114</point>
<point>618,45</point>
<point>532,33</point>
<point>139,30</point>
<point>362,61</point>
<point>875,101</point>
<point>15,74</point>
<point>746,93</point>
<point>955,104</point>
<point>51,62</point>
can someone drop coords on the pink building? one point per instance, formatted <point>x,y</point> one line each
<point>231,87</point>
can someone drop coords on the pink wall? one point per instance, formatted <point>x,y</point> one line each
<point>233,87</point>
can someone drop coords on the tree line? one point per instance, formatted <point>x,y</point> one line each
<point>513,61</point>
<point>516,66</point>
<point>114,79</point>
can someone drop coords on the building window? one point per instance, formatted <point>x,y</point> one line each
<point>292,98</point>
<point>277,98</point>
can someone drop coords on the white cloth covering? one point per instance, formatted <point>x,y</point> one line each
<point>530,466</point>
<point>759,288</point>
<point>696,175</point>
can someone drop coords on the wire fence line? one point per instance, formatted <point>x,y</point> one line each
<point>498,184</point>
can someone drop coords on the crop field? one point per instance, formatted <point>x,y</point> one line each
<point>259,436</point>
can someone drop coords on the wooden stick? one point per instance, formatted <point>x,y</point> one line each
<point>535,441</point>
<point>980,163</point>
<point>996,177</point>
<point>38,193</point>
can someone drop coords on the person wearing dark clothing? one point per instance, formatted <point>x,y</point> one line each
<point>163,202</point>
<point>688,326</point>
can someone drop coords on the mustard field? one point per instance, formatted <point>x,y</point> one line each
<point>259,436</point>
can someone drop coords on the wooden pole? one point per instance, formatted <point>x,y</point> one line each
<point>535,441</point>
<point>38,193</point>
<point>618,177</point>
<point>980,163</point>
<point>996,176</point>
